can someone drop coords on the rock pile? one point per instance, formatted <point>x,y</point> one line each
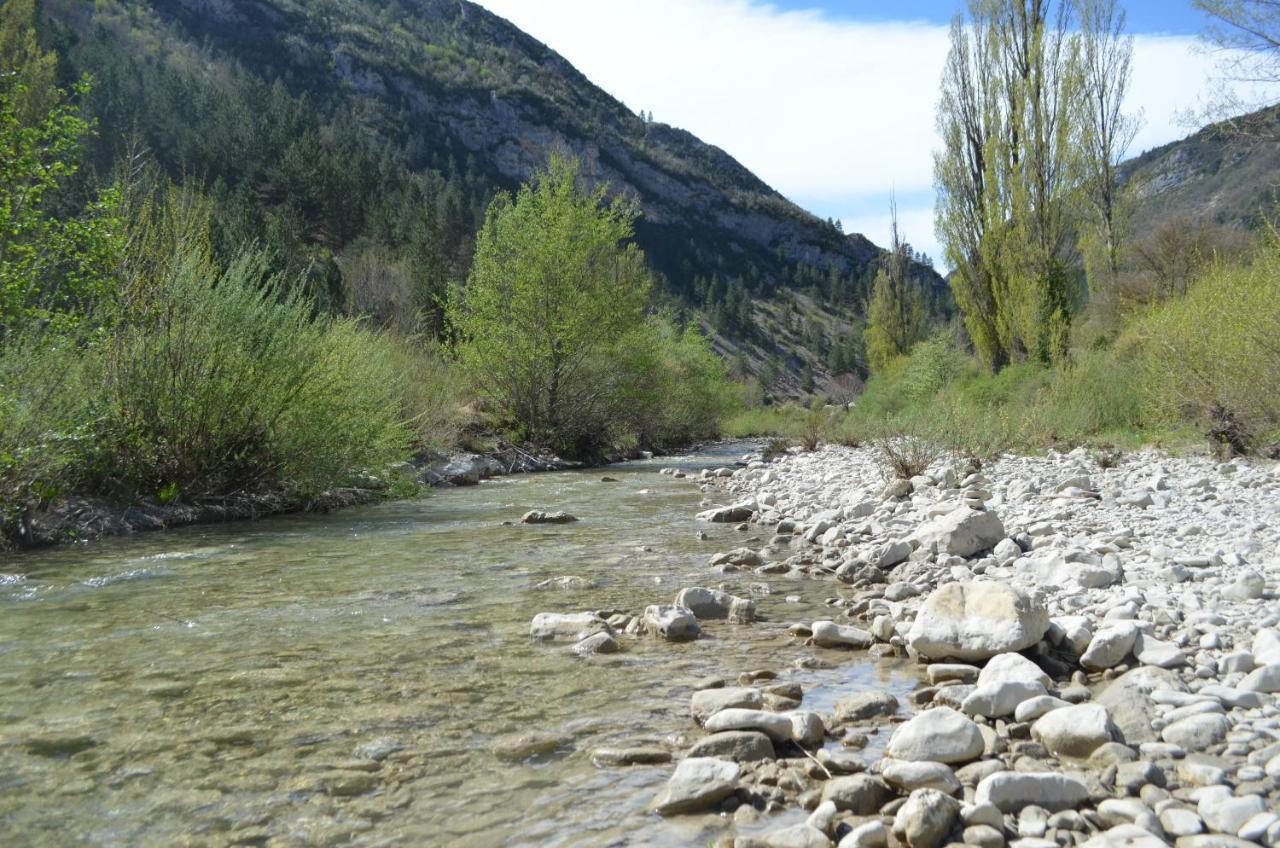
<point>1100,645</point>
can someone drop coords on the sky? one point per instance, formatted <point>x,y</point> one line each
<point>831,103</point>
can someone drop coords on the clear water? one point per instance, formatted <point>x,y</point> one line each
<point>356,678</point>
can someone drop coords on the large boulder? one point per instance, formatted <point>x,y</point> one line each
<point>976,621</point>
<point>962,532</point>
<point>940,735</point>
<point>698,783</point>
<point>1074,731</point>
<point>709,604</point>
<point>1012,790</point>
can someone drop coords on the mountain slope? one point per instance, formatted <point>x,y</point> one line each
<point>1227,174</point>
<point>455,101</point>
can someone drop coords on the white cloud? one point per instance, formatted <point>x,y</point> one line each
<point>833,114</point>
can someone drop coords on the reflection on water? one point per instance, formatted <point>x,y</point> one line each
<point>365,677</point>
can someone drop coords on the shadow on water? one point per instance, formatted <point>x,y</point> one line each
<point>366,677</point>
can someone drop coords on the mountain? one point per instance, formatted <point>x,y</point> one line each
<point>1226,174</point>
<point>362,140</point>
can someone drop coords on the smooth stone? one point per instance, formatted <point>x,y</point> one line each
<point>698,783</point>
<point>1033,708</point>
<point>947,672</point>
<point>907,776</point>
<point>742,746</point>
<point>1126,836</point>
<point>1110,645</point>
<point>1229,814</point>
<point>548,626</point>
<point>776,726</point>
<point>940,734</point>
<point>1264,679</point>
<point>1177,821</point>
<point>801,835</point>
<point>872,834</point>
<point>1011,791</point>
<point>712,604</point>
<point>1004,668</point>
<point>1128,700</point>
<point>708,702</point>
<point>630,756</point>
<point>865,705</point>
<point>962,532</point>
<point>598,643</point>
<point>1074,731</point>
<point>1000,699</point>
<point>1197,732</point>
<point>537,516</point>
<point>828,634</point>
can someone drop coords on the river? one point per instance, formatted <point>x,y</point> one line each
<point>358,678</point>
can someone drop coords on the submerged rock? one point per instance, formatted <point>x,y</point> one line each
<point>540,517</point>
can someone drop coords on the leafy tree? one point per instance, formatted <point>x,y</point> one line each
<point>554,290</point>
<point>895,315</point>
<point>51,264</point>
<point>1010,116</point>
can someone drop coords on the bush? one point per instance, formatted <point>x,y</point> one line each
<point>232,384</point>
<point>45,416</point>
<point>1212,357</point>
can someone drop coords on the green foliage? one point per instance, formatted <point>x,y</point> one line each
<point>231,385</point>
<point>553,297</point>
<point>1212,357</point>
<point>52,264</point>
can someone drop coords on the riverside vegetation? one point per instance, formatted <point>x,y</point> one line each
<point>140,364</point>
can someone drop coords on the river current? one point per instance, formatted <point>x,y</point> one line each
<point>366,677</point>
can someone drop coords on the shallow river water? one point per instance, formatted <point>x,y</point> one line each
<point>358,678</point>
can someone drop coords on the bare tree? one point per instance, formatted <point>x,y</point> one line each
<point>1106,56</point>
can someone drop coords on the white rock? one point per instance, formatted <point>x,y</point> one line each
<point>1264,679</point>
<point>1003,668</point>
<point>713,604</point>
<point>999,699</point>
<point>828,634</point>
<point>976,621</point>
<point>1110,645</point>
<point>774,725</point>
<point>1012,790</point>
<point>1197,732</point>
<point>675,624</point>
<point>940,734</point>
<point>548,626</point>
<point>907,776</point>
<point>964,532</point>
<point>1074,731</point>
<point>1126,836</point>
<point>926,818</point>
<point>1224,813</point>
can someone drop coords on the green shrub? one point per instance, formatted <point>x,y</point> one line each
<point>232,384</point>
<point>1212,357</point>
<point>45,418</point>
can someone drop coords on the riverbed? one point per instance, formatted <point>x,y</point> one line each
<point>367,678</point>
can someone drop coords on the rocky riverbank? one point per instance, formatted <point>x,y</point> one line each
<point>1098,639</point>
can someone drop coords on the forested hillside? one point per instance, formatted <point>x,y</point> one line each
<point>360,142</point>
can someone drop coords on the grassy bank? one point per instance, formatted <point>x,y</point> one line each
<point>1200,367</point>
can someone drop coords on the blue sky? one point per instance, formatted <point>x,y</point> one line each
<point>1146,16</point>
<point>832,102</point>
